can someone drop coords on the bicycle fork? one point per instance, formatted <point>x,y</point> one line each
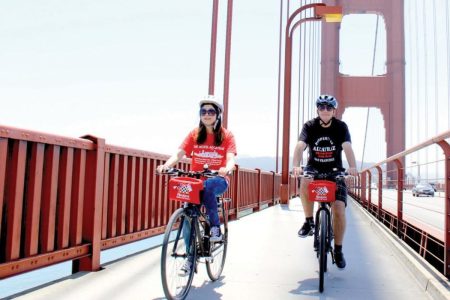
<point>329,238</point>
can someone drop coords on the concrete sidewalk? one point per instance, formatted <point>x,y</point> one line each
<point>266,260</point>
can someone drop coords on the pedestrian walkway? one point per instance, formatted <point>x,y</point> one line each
<point>266,260</point>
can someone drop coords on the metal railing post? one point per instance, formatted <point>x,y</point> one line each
<point>92,208</point>
<point>446,147</point>
<point>399,165</point>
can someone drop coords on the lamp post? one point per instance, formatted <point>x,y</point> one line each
<point>321,10</point>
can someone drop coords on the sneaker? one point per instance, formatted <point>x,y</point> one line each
<point>186,268</point>
<point>215,235</point>
<point>306,230</point>
<point>339,260</point>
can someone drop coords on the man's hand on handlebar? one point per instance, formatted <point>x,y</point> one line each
<point>352,172</point>
<point>297,171</point>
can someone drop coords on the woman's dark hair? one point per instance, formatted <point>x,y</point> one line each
<point>218,134</point>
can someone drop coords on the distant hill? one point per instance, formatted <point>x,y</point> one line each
<point>267,163</point>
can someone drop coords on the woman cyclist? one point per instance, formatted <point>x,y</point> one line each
<point>210,144</point>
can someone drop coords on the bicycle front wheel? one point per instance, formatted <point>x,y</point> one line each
<point>178,245</point>
<point>323,224</point>
<point>215,264</point>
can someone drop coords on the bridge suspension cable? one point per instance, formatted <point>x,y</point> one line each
<point>373,72</point>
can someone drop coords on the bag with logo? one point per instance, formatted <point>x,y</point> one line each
<point>322,191</point>
<point>185,189</point>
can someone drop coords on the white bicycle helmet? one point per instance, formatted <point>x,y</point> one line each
<point>327,100</point>
<point>211,99</point>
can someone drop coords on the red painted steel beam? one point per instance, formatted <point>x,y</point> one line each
<point>33,199</point>
<point>32,263</point>
<point>113,190</point>
<point>64,198</point>
<point>76,209</point>
<point>131,182</point>
<point>40,137</point>
<point>121,201</point>
<point>138,194</point>
<point>14,201</point>
<point>146,194</point>
<point>132,237</point>
<point>49,196</point>
<point>3,161</point>
<point>105,196</point>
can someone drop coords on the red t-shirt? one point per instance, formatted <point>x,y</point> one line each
<point>208,153</point>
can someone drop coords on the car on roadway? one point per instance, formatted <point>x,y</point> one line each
<point>423,189</point>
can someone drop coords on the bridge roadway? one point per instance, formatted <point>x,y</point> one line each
<point>266,260</point>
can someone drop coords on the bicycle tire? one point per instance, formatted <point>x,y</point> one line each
<point>174,252</point>
<point>323,248</point>
<point>218,251</point>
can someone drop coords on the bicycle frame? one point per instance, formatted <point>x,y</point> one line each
<point>322,190</point>
<point>191,240</point>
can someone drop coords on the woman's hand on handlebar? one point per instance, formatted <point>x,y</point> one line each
<point>162,168</point>
<point>223,172</point>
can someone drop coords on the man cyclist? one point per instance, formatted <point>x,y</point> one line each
<point>326,137</point>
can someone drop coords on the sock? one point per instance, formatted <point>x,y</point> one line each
<point>337,248</point>
<point>310,220</point>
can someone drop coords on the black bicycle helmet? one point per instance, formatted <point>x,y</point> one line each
<point>327,100</point>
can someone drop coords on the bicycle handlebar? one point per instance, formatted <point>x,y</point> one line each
<point>317,175</point>
<point>178,172</point>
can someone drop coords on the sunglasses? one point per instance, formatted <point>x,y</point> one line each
<point>209,112</point>
<point>323,107</point>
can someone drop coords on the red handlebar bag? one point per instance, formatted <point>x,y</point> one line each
<point>322,191</point>
<point>185,189</point>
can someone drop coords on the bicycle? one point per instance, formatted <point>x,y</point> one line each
<point>187,234</point>
<point>322,189</point>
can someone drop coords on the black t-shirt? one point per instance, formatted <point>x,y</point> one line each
<point>325,144</point>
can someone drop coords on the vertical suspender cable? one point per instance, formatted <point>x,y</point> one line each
<point>313,62</point>
<point>226,79</point>
<point>310,93</point>
<point>448,59</point>
<point>411,85</point>
<point>417,77</point>
<point>300,78</point>
<point>304,116</point>
<point>426,112</point>
<point>373,71</point>
<point>212,58</point>
<point>436,86</point>
<point>279,84</point>
<point>318,58</point>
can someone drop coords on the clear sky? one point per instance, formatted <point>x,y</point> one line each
<point>133,71</point>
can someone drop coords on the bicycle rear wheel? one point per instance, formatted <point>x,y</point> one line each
<point>214,265</point>
<point>178,244</point>
<point>323,224</point>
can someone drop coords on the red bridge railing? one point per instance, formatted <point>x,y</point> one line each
<point>393,185</point>
<point>66,199</point>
